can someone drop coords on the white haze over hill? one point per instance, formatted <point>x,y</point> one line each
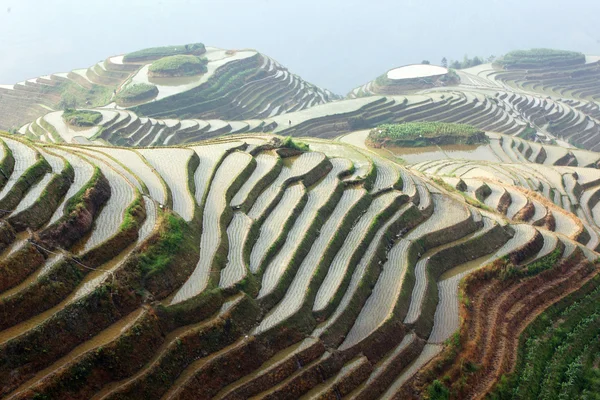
<point>337,44</point>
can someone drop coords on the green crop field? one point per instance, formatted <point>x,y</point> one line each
<point>424,133</point>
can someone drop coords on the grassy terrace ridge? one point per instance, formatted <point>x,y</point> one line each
<point>82,118</point>
<point>136,93</point>
<point>419,134</point>
<point>539,58</point>
<point>179,65</point>
<point>165,51</point>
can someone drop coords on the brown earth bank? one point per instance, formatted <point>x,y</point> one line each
<point>141,345</point>
<point>549,222</point>
<point>19,265</point>
<point>495,309</point>
<point>76,223</point>
<point>24,183</point>
<point>7,235</point>
<point>35,349</point>
<point>64,277</point>
<point>40,212</point>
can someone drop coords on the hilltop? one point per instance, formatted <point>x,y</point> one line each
<point>221,84</point>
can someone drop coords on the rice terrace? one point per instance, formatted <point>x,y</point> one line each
<point>191,222</point>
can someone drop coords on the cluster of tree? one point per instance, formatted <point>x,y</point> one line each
<point>465,63</point>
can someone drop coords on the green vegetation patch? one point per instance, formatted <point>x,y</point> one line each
<point>73,95</point>
<point>528,133</point>
<point>131,217</point>
<point>165,51</point>
<point>77,202</point>
<point>537,58</point>
<point>171,239</point>
<point>82,118</point>
<point>290,143</point>
<point>137,93</point>
<point>417,134</point>
<point>180,65</point>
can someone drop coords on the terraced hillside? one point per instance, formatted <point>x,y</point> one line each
<point>545,121</point>
<point>234,84</point>
<point>235,267</point>
<point>557,73</point>
<point>167,241</point>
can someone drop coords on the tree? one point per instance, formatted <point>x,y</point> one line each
<point>491,58</point>
<point>444,62</point>
<point>67,100</point>
<point>425,62</point>
<point>437,391</point>
<point>476,61</point>
<point>466,62</point>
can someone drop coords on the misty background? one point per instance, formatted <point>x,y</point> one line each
<point>336,44</point>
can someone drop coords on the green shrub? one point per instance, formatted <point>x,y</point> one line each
<point>437,391</point>
<point>293,144</point>
<point>528,133</point>
<point>467,62</point>
<point>81,117</point>
<point>180,65</point>
<point>450,78</point>
<point>165,51</point>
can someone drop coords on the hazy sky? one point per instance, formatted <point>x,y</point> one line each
<point>337,44</point>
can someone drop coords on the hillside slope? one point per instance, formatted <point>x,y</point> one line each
<point>236,84</point>
<point>237,234</point>
<point>137,277</point>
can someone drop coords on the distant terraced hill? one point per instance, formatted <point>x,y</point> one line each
<point>552,72</point>
<point>529,116</point>
<point>178,246</point>
<point>237,84</point>
<point>407,79</point>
